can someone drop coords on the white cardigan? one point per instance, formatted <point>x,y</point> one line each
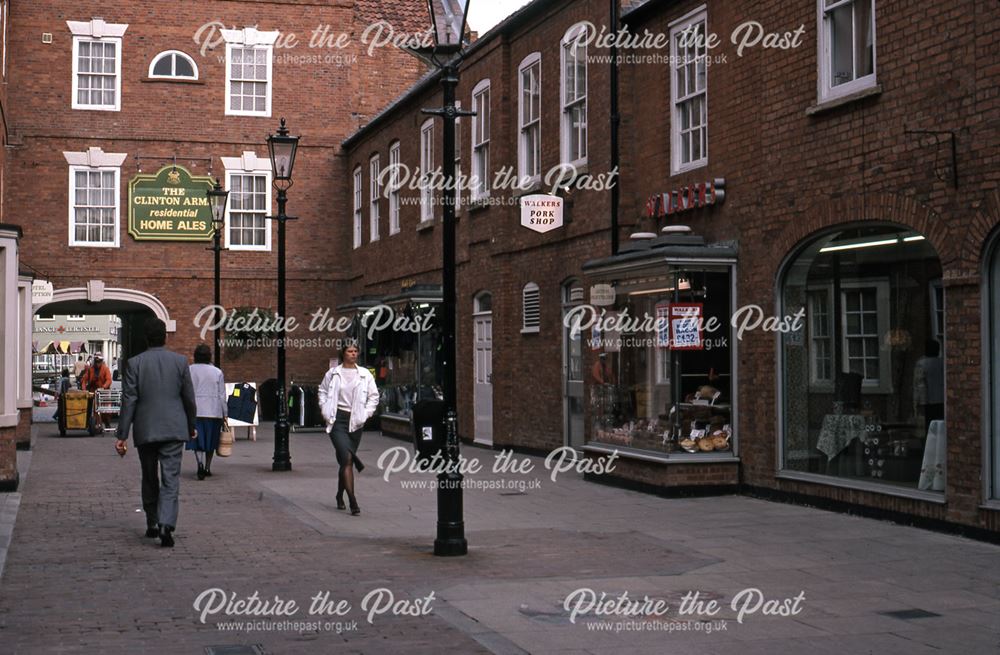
<point>363,405</point>
<point>209,390</point>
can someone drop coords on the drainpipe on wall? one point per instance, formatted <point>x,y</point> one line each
<point>615,119</point>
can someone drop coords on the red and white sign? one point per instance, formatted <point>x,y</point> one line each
<point>541,213</point>
<point>686,198</point>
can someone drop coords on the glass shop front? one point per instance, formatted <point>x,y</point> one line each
<point>659,352</point>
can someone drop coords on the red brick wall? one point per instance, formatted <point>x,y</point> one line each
<point>323,101</point>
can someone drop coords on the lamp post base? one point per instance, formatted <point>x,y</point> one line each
<point>450,540</point>
<point>282,458</point>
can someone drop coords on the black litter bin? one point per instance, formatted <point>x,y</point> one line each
<point>429,437</point>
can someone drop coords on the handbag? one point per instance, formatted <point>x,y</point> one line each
<point>226,439</point>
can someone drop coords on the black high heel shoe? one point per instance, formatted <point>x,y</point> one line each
<point>340,500</point>
<point>355,510</point>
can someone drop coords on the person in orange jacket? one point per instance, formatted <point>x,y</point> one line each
<point>98,376</point>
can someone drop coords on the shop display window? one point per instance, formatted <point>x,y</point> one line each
<point>864,387</point>
<point>661,362</point>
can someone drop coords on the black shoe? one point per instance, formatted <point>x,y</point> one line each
<point>201,472</point>
<point>166,539</point>
<point>152,532</point>
<point>208,473</point>
<point>340,501</point>
<point>355,510</point>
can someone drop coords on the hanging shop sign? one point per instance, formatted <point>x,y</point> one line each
<point>541,213</point>
<point>169,206</point>
<point>602,295</point>
<point>686,198</point>
<point>41,292</point>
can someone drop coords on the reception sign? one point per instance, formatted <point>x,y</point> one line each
<point>169,206</point>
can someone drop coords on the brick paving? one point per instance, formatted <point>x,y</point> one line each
<point>80,577</point>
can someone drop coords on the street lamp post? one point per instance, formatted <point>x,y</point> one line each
<point>217,199</point>
<point>449,32</point>
<point>282,149</point>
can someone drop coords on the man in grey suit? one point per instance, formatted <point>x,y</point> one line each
<point>158,406</point>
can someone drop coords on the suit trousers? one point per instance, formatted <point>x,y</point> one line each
<point>161,479</point>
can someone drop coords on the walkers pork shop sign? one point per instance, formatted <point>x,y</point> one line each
<point>169,206</point>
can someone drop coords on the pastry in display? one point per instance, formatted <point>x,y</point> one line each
<point>689,445</point>
<point>706,444</point>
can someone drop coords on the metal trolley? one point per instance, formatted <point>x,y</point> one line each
<point>109,401</point>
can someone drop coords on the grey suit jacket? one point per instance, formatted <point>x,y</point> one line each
<point>158,402</point>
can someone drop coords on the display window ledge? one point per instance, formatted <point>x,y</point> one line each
<point>401,418</point>
<point>861,485</point>
<point>662,458</point>
<point>992,505</point>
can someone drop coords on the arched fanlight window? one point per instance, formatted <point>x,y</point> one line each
<point>173,64</point>
<point>483,303</point>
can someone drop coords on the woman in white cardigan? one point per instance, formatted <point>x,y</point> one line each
<point>210,396</point>
<point>348,397</point>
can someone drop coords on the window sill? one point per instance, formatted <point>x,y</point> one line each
<point>478,205</point>
<point>531,331</point>
<point>992,505</point>
<point>661,458</point>
<point>171,80</point>
<point>827,105</point>
<point>534,187</point>
<point>862,485</point>
<point>426,225</point>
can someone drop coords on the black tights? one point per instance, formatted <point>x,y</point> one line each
<point>345,480</point>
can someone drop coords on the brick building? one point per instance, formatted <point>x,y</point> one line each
<point>95,97</point>
<point>836,168</point>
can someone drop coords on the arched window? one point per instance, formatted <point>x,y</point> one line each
<point>483,303</point>
<point>173,64</point>
<point>863,363</point>
<point>530,309</point>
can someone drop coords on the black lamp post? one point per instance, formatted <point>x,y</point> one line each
<point>217,199</point>
<point>448,29</point>
<point>282,149</point>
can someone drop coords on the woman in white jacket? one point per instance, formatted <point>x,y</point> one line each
<point>348,397</point>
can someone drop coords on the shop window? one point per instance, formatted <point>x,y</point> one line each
<point>863,371</point>
<point>530,120</point>
<point>573,120</point>
<point>481,140</point>
<point>173,64</point>
<point>530,309</point>
<point>483,303</point>
<point>248,71</point>
<point>660,361</point>
<point>846,46</point>
<point>374,191</point>
<point>357,207</point>
<point>394,188</point>
<point>426,170</point>
<point>248,227</point>
<point>97,64</point>
<point>689,93</point>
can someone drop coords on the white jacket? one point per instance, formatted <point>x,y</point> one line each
<point>363,405</point>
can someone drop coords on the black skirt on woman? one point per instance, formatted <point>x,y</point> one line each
<point>344,442</point>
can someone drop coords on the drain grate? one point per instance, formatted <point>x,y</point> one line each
<point>253,649</point>
<point>909,614</point>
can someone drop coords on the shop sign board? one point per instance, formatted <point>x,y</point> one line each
<point>541,213</point>
<point>41,292</point>
<point>169,206</point>
<point>685,326</point>
<point>602,295</point>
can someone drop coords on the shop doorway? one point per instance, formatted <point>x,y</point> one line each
<point>572,370</point>
<point>482,313</point>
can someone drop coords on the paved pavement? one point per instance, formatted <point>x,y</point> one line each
<point>80,577</point>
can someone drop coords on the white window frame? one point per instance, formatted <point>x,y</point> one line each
<point>249,38</point>
<point>881,286</point>
<point>524,157</point>
<point>458,158</point>
<point>937,310</point>
<point>394,164</point>
<point>426,168</point>
<point>679,100</point>
<point>480,144</point>
<point>249,164</point>
<point>530,293</point>
<point>566,128</point>
<point>173,76</point>
<point>76,317</point>
<point>94,160</point>
<point>94,31</point>
<point>826,91</point>
<point>374,190</point>
<point>815,380</point>
<point>356,227</point>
